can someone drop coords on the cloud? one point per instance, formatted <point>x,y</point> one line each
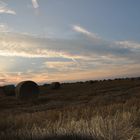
<point>82,30</point>
<point>23,45</point>
<point>103,47</point>
<point>128,44</point>
<point>35,3</point>
<point>52,59</point>
<point>61,66</point>
<point>5,9</point>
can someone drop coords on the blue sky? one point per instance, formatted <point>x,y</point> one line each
<point>62,40</point>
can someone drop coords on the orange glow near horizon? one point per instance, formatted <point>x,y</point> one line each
<point>74,76</point>
<point>63,41</point>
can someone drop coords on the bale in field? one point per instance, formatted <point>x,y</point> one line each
<point>9,90</point>
<point>55,85</point>
<point>27,90</point>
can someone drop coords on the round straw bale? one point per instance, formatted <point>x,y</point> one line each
<point>27,90</point>
<point>9,90</point>
<point>55,85</point>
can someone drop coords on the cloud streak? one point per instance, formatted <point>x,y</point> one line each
<point>4,9</point>
<point>34,47</point>
<point>35,4</point>
<point>51,58</point>
<point>82,30</point>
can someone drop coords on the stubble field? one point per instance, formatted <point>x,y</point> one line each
<point>92,110</point>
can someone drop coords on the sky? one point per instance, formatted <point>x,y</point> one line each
<point>68,40</point>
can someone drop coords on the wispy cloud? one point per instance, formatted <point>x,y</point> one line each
<point>23,45</point>
<point>82,30</point>
<point>5,9</point>
<point>52,58</point>
<point>128,44</point>
<point>35,47</point>
<point>35,3</point>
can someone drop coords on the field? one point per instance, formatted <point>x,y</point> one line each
<point>91,110</point>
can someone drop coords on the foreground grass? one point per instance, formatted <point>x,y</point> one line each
<point>112,122</point>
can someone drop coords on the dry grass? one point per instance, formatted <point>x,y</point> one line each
<point>113,122</point>
<point>105,110</point>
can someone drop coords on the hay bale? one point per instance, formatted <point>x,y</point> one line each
<point>55,85</point>
<point>9,90</point>
<point>27,90</point>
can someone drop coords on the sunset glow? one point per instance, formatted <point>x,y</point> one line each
<point>68,40</point>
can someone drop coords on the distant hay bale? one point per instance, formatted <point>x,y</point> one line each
<point>27,90</point>
<point>55,85</point>
<point>9,90</point>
